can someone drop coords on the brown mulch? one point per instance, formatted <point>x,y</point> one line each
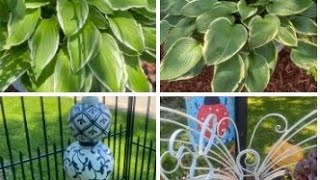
<point>287,77</point>
<point>150,71</point>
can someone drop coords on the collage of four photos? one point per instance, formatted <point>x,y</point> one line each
<point>158,89</point>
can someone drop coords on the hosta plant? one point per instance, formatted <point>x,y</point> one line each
<point>240,39</point>
<point>76,45</point>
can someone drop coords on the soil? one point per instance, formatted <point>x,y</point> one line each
<point>287,77</point>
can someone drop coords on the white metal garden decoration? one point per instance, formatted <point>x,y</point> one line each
<point>89,157</point>
<point>211,159</point>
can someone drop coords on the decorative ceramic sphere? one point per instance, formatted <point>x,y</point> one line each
<point>88,158</point>
<point>89,120</point>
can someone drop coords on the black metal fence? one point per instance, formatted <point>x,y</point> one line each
<point>34,134</point>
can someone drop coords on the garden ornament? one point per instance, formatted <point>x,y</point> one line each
<point>210,158</point>
<point>88,157</point>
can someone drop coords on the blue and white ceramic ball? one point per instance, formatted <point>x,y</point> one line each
<point>89,120</point>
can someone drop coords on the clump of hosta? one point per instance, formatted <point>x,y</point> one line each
<point>240,38</point>
<point>76,45</point>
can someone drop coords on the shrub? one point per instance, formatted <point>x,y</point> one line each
<point>76,45</point>
<point>241,38</point>
<point>307,167</point>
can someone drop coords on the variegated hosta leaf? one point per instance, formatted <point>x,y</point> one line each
<point>184,28</point>
<point>4,11</point>
<point>287,34</point>
<point>21,29</point>
<point>44,44</point>
<point>149,56</point>
<point>72,15</point>
<point>127,4</point>
<point>164,5</point>
<point>17,8</point>
<point>137,80</point>
<point>83,46</point>
<point>197,7</point>
<point>151,5</point>
<point>131,35</point>
<point>227,75</point>
<point>173,20</point>
<point>103,5</point>
<point>245,10</point>
<point>181,57</point>
<point>32,4</point>
<point>304,25</point>
<point>195,71</point>
<point>270,53</point>
<point>175,7</point>
<point>258,73</point>
<point>150,38</point>
<point>164,30</point>
<point>109,66</point>
<point>311,11</point>
<point>288,7</point>
<point>97,18</point>
<point>223,40</point>
<point>3,36</point>
<point>305,55</point>
<point>263,30</point>
<point>13,64</point>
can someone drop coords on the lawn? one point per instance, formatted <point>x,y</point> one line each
<point>54,136</point>
<point>293,108</point>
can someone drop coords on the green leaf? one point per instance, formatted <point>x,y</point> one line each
<point>305,55</point>
<point>131,35</point>
<point>173,20</point>
<point>270,53</point>
<point>149,56</point>
<point>4,11</point>
<point>18,9</point>
<point>258,73</point>
<point>109,66</point>
<point>103,5</point>
<point>32,4</point>
<point>64,80</point>
<point>304,25</point>
<point>13,64</point>
<point>164,5</point>
<point>127,4</point>
<point>151,5</point>
<point>175,6</point>
<point>223,40</point>
<point>150,38</point>
<point>87,80</point>
<point>44,44</point>
<point>195,71</point>
<point>72,15</point>
<point>197,7</point>
<point>97,18</point>
<point>184,28</point>
<point>311,12</point>
<point>287,7</point>
<point>20,30</point>
<point>164,30</point>
<point>137,80</point>
<point>227,75</point>
<point>263,30</point>
<point>287,35</point>
<point>3,36</point>
<point>181,57</point>
<point>245,10</point>
<point>83,46</point>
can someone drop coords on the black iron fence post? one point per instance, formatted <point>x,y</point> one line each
<point>241,122</point>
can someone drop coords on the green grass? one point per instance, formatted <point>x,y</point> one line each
<point>17,136</point>
<point>293,108</point>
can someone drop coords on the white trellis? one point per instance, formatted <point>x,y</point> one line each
<point>217,161</point>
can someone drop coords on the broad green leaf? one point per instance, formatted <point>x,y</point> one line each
<point>287,7</point>
<point>44,44</point>
<point>20,30</point>
<point>83,46</point>
<point>164,30</point>
<point>18,9</point>
<point>175,6</point>
<point>230,7</point>
<point>181,57</point>
<point>260,3</point>
<point>245,10</point>
<point>145,13</point>
<point>87,80</point>
<point>131,35</point>
<point>64,79</point>
<point>103,5</point>
<point>258,73</point>
<point>304,25</point>
<point>270,53</point>
<point>184,28</point>
<point>13,64</point>
<point>223,40</point>
<point>151,5</point>
<point>195,71</point>
<point>109,66</point>
<point>137,80</point>
<point>97,18</point>
<point>305,55</point>
<point>311,11</point>
<point>287,35</point>
<point>173,20</point>
<point>242,82</point>
<point>150,38</point>
<point>149,56</point>
<point>4,11</point>
<point>263,30</point>
<point>228,75</point>
<point>127,4</point>
<point>32,4</point>
<point>197,7</point>
<point>72,15</point>
<point>3,36</point>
